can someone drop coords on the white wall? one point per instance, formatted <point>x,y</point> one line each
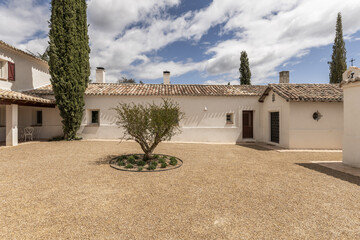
<point>29,72</point>
<point>198,126</point>
<point>279,105</point>
<point>351,144</point>
<point>305,132</point>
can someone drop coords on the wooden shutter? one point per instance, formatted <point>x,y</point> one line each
<point>11,72</point>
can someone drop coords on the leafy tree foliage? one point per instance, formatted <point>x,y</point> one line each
<point>338,58</point>
<point>69,61</point>
<point>245,73</point>
<point>44,56</point>
<point>125,80</point>
<point>149,124</point>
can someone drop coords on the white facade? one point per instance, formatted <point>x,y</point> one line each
<point>298,129</point>
<point>205,116</point>
<point>351,145</point>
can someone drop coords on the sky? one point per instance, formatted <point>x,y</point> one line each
<point>199,42</point>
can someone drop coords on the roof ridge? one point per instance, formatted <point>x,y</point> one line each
<point>21,51</point>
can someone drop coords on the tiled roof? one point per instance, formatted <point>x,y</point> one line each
<point>306,92</point>
<point>113,89</point>
<point>2,43</point>
<point>16,97</point>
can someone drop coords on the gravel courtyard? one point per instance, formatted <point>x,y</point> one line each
<point>66,190</point>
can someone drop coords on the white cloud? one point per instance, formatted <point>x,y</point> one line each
<point>123,32</point>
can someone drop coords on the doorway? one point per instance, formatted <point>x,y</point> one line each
<point>247,120</point>
<point>275,127</point>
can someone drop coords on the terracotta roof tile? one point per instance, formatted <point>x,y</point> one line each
<point>113,89</point>
<point>17,96</point>
<point>306,92</point>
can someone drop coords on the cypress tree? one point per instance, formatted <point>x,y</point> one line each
<point>69,61</point>
<point>245,73</point>
<point>338,58</point>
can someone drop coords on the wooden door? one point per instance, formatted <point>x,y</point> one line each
<point>247,120</point>
<point>275,127</point>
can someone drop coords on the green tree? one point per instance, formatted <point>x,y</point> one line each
<point>338,58</point>
<point>125,80</point>
<point>69,61</point>
<point>149,124</point>
<point>44,56</point>
<point>245,73</point>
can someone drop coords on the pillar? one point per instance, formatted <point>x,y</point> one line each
<point>11,125</point>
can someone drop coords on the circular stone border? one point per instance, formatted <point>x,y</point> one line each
<point>113,164</point>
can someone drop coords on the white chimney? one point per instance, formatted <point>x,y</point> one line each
<point>284,77</point>
<point>100,75</point>
<point>166,77</point>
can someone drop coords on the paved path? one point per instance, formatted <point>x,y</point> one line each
<point>66,190</point>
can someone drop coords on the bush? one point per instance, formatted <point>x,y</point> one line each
<point>163,165</point>
<point>131,160</point>
<point>172,158</point>
<point>161,160</point>
<point>156,156</point>
<point>140,169</point>
<point>129,166</point>
<point>152,165</point>
<point>173,161</point>
<point>136,156</point>
<point>120,158</point>
<point>141,163</point>
<point>121,163</point>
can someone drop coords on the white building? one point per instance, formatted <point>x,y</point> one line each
<point>284,114</point>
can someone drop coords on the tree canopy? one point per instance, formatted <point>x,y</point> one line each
<point>149,124</point>
<point>245,73</point>
<point>69,61</point>
<point>338,59</point>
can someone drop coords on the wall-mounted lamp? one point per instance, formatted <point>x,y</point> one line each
<point>205,109</point>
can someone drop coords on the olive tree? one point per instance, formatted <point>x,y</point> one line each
<point>149,124</point>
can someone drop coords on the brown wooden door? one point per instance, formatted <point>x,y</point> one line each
<point>247,124</point>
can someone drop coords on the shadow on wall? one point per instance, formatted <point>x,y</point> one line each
<point>333,173</point>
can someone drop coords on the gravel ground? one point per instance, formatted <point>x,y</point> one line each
<point>66,190</point>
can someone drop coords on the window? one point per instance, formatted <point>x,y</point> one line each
<point>95,117</point>
<point>2,70</point>
<point>229,118</point>
<point>11,71</point>
<point>39,119</point>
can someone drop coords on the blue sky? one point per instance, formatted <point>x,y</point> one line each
<point>199,41</point>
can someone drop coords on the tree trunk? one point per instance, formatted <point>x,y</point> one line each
<point>148,155</point>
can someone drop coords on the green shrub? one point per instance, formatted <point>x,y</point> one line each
<point>161,160</point>
<point>163,165</point>
<point>156,156</point>
<point>129,166</point>
<point>136,156</point>
<point>141,163</point>
<point>172,158</point>
<point>173,161</point>
<point>140,169</point>
<point>131,160</point>
<point>120,158</point>
<point>151,167</point>
<point>121,163</point>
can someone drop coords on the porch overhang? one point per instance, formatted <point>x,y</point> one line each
<point>8,97</point>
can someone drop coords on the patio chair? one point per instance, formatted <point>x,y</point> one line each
<point>37,133</point>
<point>28,132</point>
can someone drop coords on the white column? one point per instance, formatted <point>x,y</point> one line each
<point>12,125</point>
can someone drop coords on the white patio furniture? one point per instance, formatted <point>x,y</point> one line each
<point>36,134</point>
<point>28,132</point>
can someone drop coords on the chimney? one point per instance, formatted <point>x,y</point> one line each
<point>100,75</point>
<point>166,77</point>
<point>284,77</point>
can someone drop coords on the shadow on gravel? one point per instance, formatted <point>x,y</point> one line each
<point>331,172</point>
<point>104,160</point>
<point>254,147</point>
